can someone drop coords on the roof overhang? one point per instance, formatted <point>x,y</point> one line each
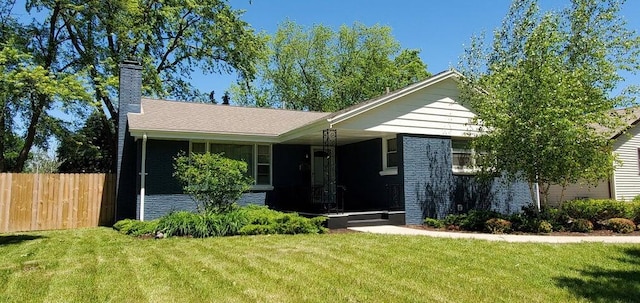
<point>311,132</point>
<point>178,135</point>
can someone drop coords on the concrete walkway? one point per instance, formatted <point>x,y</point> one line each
<point>399,230</point>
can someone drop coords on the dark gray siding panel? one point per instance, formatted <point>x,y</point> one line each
<point>291,177</point>
<point>160,155</point>
<point>432,190</point>
<point>359,166</point>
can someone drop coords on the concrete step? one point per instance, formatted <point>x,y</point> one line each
<point>367,222</point>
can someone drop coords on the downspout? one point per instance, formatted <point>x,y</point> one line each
<point>143,174</point>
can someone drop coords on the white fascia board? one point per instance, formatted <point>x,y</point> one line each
<point>305,130</point>
<point>174,135</point>
<point>399,94</point>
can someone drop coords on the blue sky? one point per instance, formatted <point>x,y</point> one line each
<point>440,29</point>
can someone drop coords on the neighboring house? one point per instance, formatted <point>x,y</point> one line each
<point>400,157</point>
<point>624,184</point>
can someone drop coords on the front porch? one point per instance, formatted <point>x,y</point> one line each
<point>340,179</point>
<point>363,218</point>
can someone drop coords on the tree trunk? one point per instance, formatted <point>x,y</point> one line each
<point>31,133</point>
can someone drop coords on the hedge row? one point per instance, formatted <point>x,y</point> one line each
<point>578,215</point>
<point>249,220</point>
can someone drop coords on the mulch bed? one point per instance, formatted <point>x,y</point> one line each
<point>555,233</point>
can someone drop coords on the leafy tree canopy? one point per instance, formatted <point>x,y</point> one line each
<point>320,69</point>
<point>86,149</point>
<point>543,92</point>
<point>78,44</point>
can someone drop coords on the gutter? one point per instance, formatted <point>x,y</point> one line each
<point>143,174</point>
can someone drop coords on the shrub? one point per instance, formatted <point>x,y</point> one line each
<point>454,220</point>
<point>475,220</point>
<point>136,228</point>
<point>178,223</point>
<point>435,223</point>
<point>213,181</point>
<point>635,211</point>
<point>544,227</point>
<point>620,225</point>
<point>262,220</point>
<point>497,225</point>
<point>636,198</point>
<point>249,220</point>
<point>582,225</point>
<point>205,224</point>
<point>597,210</point>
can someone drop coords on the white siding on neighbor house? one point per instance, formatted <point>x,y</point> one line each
<point>627,176</point>
<point>576,191</point>
<point>432,110</point>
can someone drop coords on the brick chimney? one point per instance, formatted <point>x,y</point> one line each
<point>129,102</point>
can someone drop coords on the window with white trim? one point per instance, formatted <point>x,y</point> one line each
<point>392,152</point>
<point>464,158</point>
<point>257,157</point>
<point>389,156</point>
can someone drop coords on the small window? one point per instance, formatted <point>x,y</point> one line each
<point>263,175</point>
<point>390,156</point>
<point>461,154</point>
<point>392,152</point>
<point>464,158</point>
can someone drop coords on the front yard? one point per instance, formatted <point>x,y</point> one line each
<point>100,265</point>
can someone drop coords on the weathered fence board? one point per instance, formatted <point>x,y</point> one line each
<point>55,201</point>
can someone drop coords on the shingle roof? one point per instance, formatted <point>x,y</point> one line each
<point>631,116</point>
<point>173,116</point>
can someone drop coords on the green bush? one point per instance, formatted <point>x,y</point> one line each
<point>544,227</point>
<point>635,211</point>
<point>262,220</point>
<point>597,210</point>
<point>136,228</point>
<point>213,181</point>
<point>435,223</point>
<point>619,225</point>
<point>498,226</point>
<point>202,225</point>
<point>636,198</point>
<point>178,223</point>
<point>475,220</point>
<point>582,226</point>
<point>454,220</point>
<point>249,220</point>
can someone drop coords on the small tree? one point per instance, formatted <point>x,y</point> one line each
<point>212,180</point>
<point>548,91</point>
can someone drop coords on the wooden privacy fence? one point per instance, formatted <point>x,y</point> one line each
<point>55,201</point>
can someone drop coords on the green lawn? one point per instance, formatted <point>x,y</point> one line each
<point>100,265</point>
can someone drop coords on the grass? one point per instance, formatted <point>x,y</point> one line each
<point>100,265</point>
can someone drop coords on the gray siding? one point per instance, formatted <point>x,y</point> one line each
<point>578,191</point>
<point>431,189</point>
<point>627,176</point>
